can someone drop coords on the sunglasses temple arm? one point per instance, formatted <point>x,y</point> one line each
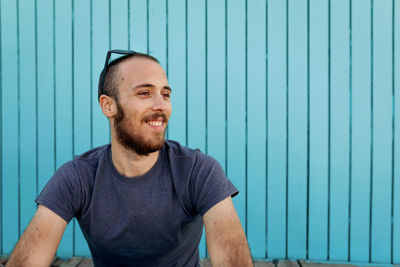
<point>103,76</point>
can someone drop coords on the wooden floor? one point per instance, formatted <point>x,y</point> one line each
<point>87,262</point>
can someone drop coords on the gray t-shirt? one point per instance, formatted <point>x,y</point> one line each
<point>151,220</point>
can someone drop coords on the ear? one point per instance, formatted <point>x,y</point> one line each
<point>108,106</point>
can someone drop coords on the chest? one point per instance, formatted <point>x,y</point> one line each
<point>146,219</point>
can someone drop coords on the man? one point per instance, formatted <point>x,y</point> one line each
<point>140,201</point>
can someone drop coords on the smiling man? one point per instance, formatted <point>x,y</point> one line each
<point>141,200</point>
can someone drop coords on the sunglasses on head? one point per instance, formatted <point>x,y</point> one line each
<point>107,65</point>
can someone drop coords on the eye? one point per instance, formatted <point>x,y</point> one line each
<point>166,94</point>
<point>143,93</point>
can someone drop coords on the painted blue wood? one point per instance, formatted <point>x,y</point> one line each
<point>396,141</point>
<point>339,130</point>
<point>236,104</point>
<point>138,18</point>
<point>216,81</point>
<point>318,180</point>
<point>196,71</point>
<point>81,94</point>
<point>177,74</point>
<point>100,46</point>
<point>63,101</point>
<point>297,129</point>
<point>45,81</point>
<point>10,175</point>
<point>382,132</point>
<point>119,24</point>
<point>27,107</point>
<point>256,123</point>
<point>361,132</point>
<point>277,156</point>
<point>196,82</point>
<point>157,30</point>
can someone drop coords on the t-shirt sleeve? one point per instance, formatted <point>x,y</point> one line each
<point>62,192</point>
<point>209,184</point>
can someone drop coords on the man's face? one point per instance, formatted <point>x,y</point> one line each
<point>144,106</point>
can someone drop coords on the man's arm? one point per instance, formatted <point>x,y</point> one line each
<point>226,241</point>
<point>39,242</point>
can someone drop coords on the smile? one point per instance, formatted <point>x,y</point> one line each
<point>155,123</point>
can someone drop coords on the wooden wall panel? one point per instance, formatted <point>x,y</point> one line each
<point>361,131</point>
<point>63,101</point>
<point>339,117</point>
<point>10,126</point>
<point>297,129</point>
<point>277,131</point>
<point>82,93</point>
<point>318,130</point>
<point>396,134</point>
<point>382,132</point>
<point>256,127</point>
<point>27,113</point>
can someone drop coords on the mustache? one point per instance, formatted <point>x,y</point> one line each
<point>155,116</point>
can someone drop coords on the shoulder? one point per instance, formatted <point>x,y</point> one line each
<point>66,192</point>
<point>188,160</point>
<point>179,151</point>
<point>186,165</point>
<point>81,167</point>
<point>92,157</point>
<point>88,162</point>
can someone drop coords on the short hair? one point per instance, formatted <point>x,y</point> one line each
<point>111,80</point>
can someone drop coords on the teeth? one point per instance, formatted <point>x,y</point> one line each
<point>155,123</point>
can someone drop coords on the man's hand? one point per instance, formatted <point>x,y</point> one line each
<point>226,241</point>
<point>39,242</point>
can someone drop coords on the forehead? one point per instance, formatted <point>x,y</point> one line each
<point>138,70</point>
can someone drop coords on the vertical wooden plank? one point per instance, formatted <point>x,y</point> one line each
<point>196,86</point>
<point>177,69</point>
<point>216,80</point>
<point>196,75</point>
<point>236,105</point>
<point>119,24</point>
<point>139,25</point>
<point>396,160</point>
<point>1,138</point>
<point>256,84</point>
<point>10,119</point>
<point>276,195</point>
<point>382,132</point>
<point>318,184</point>
<point>63,98</point>
<point>27,112</point>
<point>361,131</point>
<point>45,83</point>
<point>81,95</point>
<point>340,137</point>
<point>297,157</point>
<point>157,31</point>
<point>45,91</point>
<point>100,30</point>
<point>215,83</point>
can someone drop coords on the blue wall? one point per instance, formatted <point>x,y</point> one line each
<point>299,100</point>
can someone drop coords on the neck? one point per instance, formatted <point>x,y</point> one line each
<point>129,163</point>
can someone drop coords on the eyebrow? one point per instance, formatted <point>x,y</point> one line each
<point>166,87</point>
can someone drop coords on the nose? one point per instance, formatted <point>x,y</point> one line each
<point>159,103</point>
